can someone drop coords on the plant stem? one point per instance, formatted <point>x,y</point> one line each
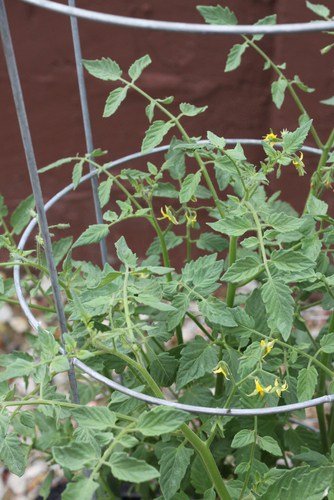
<point>316,187</point>
<point>126,304</point>
<point>320,409</point>
<point>231,288</point>
<point>295,97</point>
<point>260,238</point>
<point>200,326</point>
<point>293,348</point>
<point>201,448</point>
<point>251,458</point>
<point>186,137</point>
<point>31,306</point>
<point>230,294</point>
<point>208,462</point>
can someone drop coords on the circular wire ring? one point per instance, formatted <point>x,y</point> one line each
<point>111,383</point>
<point>131,22</point>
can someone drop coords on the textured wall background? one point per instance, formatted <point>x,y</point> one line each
<point>191,67</point>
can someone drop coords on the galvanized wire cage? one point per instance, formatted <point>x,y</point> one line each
<point>74,13</point>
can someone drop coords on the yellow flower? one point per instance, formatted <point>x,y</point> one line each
<point>271,138</point>
<point>267,346</point>
<point>191,217</point>
<point>168,214</point>
<point>259,389</point>
<point>279,388</point>
<point>298,163</point>
<point>222,368</point>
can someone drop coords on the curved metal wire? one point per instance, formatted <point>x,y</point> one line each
<point>125,390</point>
<point>202,29</point>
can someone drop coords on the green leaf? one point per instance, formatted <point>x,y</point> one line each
<point>203,273</point>
<point>292,141</point>
<point>217,15</point>
<point>173,467</point>
<point>189,186</point>
<point>18,368</point>
<point>93,234</point>
<point>216,141</point>
<point>315,206</point>
<point>124,253</point>
<point>327,343</point>
<point>301,483</point>
<point>131,469</point>
<point>243,438</point>
<point>319,9</point>
<point>84,489</point>
<point>95,417</point>
<point>278,91</point>
<point>56,164</point>
<point>234,56</point>
<point>306,383</point>
<point>77,174</point>
<point>311,457</point>
<point>155,134</point>
<point>138,67</point>
<point>291,261</point>
<point>75,455</point>
<point>163,369</point>
<point>197,359</point>
<point>12,454</point>
<point>279,306</point>
<point>59,364</point>
<point>114,100</point>
<point>211,242</point>
<point>160,420</point>
<point>191,110</point>
<point>284,223</point>
<point>175,160</point>
<point>269,444</point>
<point>329,101</point>
<point>104,191</point>
<point>243,269</point>
<point>232,226</point>
<point>263,22</point>
<point>325,50</point>
<point>154,302</point>
<point>104,68</point>
<point>22,214</point>
<point>180,303</point>
<point>215,311</point>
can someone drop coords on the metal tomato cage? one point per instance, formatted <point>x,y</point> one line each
<point>73,13</point>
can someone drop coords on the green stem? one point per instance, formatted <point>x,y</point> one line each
<point>31,306</point>
<point>299,351</point>
<point>316,187</point>
<point>295,97</point>
<point>230,295</point>
<point>186,137</point>
<point>231,288</point>
<point>260,238</point>
<point>200,326</point>
<point>201,448</point>
<point>208,462</point>
<point>116,181</point>
<point>325,358</point>
<point>126,304</point>
<point>251,459</point>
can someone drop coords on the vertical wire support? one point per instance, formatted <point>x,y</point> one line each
<point>35,183</point>
<point>87,124</point>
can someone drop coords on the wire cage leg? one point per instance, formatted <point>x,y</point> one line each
<point>35,183</point>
